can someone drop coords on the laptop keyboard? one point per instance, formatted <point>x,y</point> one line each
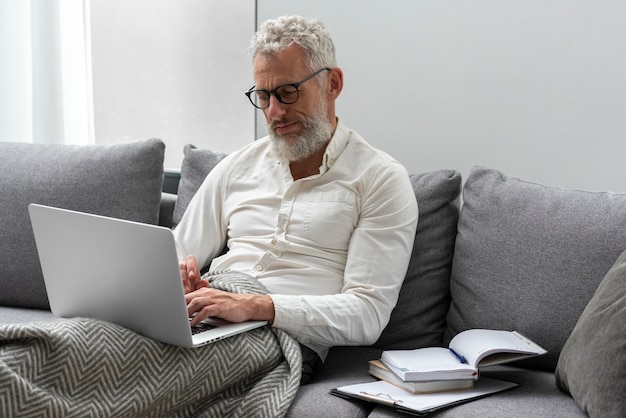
<point>201,327</point>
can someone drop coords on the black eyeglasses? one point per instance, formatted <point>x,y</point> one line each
<point>286,93</point>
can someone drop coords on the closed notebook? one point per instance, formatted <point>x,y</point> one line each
<point>466,352</point>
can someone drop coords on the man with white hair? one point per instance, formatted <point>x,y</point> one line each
<point>323,220</point>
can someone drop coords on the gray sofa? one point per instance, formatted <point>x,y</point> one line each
<point>494,252</point>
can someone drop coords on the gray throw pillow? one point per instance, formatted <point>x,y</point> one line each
<point>419,318</point>
<point>197,163</point>
<point>122,181</point>
<point>592,365</point>
<point>529,257</point>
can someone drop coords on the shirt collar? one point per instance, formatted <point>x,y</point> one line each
<point>335,147</point>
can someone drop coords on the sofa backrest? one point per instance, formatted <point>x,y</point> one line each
<point>197,163</point>
<point>521,256</point>
<point>122,181</point>
<point>529,257</point>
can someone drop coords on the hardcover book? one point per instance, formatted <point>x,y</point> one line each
<point>378,369</point>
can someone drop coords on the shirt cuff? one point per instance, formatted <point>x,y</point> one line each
<point>288,314</point>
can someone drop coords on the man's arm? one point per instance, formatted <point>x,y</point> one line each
<point>200,231</point>
<point>378,256</point>
<point>203,302</point>
<point>234,307</point>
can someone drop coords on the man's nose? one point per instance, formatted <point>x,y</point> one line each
<point>276,109</point>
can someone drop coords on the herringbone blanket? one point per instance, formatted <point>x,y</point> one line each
<point>89,368</point>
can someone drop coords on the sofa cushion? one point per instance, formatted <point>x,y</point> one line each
<point>529,257</point>
<point>122,181</point>
<point>197,163</point>
<point>418,320</point>
<point>535,397</point>
<point>343,366</point>
<point>592,365</point>
<point>13,315</point>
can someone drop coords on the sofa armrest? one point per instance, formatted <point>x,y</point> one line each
<point>166,209</point>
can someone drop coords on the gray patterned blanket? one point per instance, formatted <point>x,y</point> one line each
<point>89,368</point>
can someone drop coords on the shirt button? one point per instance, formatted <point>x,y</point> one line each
<point>274,242</point>
<point>258,267</point>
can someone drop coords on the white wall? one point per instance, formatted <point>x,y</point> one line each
<point>173,69</point>
<point>534,88</point>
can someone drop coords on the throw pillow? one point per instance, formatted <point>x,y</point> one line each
<point>122,181</point>
<point>197,163</point>
<point>419,318</point>
<point>592,365</point>
<point>529,257</point>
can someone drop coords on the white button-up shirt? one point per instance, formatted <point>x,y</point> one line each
<point>332,248</point>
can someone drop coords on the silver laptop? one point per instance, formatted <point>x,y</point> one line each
<point>119,271</point>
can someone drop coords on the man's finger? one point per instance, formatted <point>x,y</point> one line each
<point>190,273</point>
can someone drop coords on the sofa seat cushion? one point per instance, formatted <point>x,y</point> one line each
<point>529,257</point>
<point>12,315</point>
<point>122,181</point>
<point>535,397</point>
<point>592,365</point>
<point>343,366</point>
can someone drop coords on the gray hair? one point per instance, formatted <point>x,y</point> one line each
<point>277,34</point>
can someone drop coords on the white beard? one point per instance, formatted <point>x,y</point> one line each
<point>315,134</point>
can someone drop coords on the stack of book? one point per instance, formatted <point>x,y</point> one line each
<point>378,370</point>
<point>426,379</point>
<point>435,369</point>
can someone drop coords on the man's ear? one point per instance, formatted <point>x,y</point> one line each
<point>336,82</point>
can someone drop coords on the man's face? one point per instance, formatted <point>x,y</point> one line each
<point>299,129</point>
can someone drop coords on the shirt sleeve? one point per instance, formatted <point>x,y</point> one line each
<point>202,230</point>
<point>378,258</point>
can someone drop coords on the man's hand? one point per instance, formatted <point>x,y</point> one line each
<point>234,307</point>
<point>190,273</point>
